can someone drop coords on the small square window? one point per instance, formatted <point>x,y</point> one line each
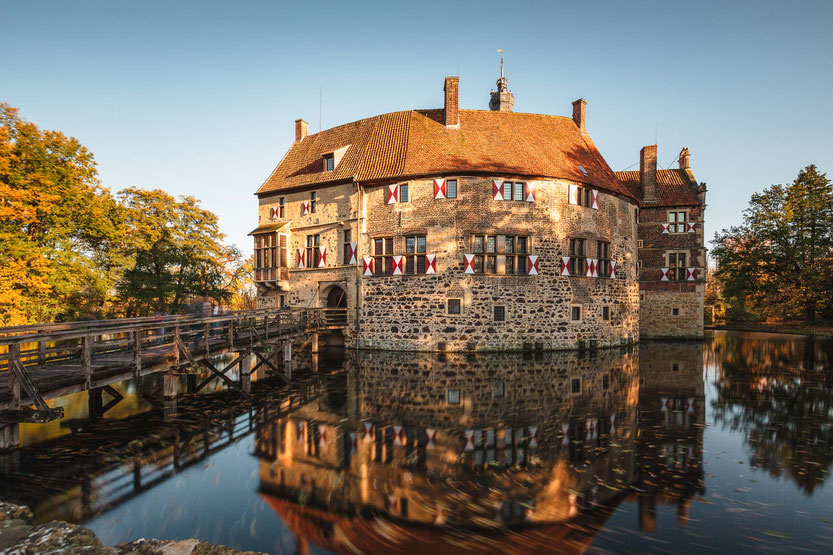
<point>639,243</point>
<point>575,385</point>
<point>605,313</point>
<point>500,314</point>
<point>606,381</point>
<point>451,188</point>
<point>675,311</point>
<point>675,366</point>
<point>498,390</point>
<point>453,396</point>
<point>575,313</point>
<point>454,306</point>
<point>641,297</point>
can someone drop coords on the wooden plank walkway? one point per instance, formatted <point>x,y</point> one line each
<point>59,359</point>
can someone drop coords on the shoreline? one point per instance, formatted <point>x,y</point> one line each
<point>797,328</point>
<point>19,535</point>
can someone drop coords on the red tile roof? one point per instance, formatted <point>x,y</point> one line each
<point>674,187</point>
<point>415,143</point>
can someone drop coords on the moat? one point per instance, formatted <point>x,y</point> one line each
<point>724,444</point>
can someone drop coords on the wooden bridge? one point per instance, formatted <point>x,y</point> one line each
<point>42,362</point>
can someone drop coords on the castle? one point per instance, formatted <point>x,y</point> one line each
<point>453,229</point>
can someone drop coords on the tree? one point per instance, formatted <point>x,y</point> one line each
<point>178,253</point>
<point>778,262</point>
<point>57,224</point>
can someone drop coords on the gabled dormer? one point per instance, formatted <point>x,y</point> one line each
<point>330,160</point>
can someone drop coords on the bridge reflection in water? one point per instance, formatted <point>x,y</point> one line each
<point>499,453</point>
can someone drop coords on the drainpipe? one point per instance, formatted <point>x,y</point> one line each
<point>360,214</point>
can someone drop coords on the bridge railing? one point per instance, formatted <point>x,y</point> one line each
<point>45,344</point>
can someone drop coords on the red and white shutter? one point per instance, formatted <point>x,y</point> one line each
<point>392,195</point>
<point>572,194</point>
<point>367,263</point>
<point>353,248</point>
<point>592,267</point>
<point>301,258</point>
<point>300,431</point>
<point>532,265</point>
<point>305,208</point>
<point>397,435</point>
<point>322,436</point>
<point>322,256</point>
<point>691,227</point>
<point>533,436</point>
<point>271,213</point>
<point>439,188</point>
<point>530,192</point>
<point>663,274</point>
<point>468,268</point>
<point>431,436</point>
<point>666,228</point>
<point>497,189</point>
<point>612,425</point>
<point>469,440</point>
<point>565,265</point>
<point>398,261</point>
<point>613,269</point>
<point>367,429</point>
<point>690,274</point>
<point>430,263</point>
<point>594,198</point>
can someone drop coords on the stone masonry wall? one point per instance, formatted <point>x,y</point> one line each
<point>409,312</point>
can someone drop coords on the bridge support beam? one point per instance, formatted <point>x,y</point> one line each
<point>9,436</point>
<point>314,342</point>
<point>245,369</point>
<point>169,389</point>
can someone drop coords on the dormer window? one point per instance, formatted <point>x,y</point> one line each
<point>329,162</point>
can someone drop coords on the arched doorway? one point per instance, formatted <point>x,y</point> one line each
<point>337,297</point>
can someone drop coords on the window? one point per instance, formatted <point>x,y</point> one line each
<point>514,190</point>
<point>584,196</point>
<point>675,311</point>
<point>313,244</point>
<point>575,385</point>
<point>575,313</point>
<point>454,306</point>
<point>675,366</point>
<point>451,188</point>
<point>415,254</point>
<point>329,162</point>
<point>383,255</point>
<point>313,201</point>
<point>577,257</point>
<point>603,254</point>
<point>500,254</point>
<point>270,256</point>
<point>281,207</point>
<point>403,192</point>
<point>453,396</point>
<point>500,314</point>
<point>606,381</point>
<point>605,313</point>
<point>639,243</point>
<point>348,238</point>
<point>676,266</point>
<point>677,221</point>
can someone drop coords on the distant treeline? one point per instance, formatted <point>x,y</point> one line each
<point>71,249</point>
<point>778,265</point>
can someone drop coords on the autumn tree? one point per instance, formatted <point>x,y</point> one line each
<point>778,262</point>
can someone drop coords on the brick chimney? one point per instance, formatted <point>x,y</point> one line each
<point>451,110</point>
<point>301,129</point>
<point>579,112</point>
<point>648,172</point>
<point>685,159</point>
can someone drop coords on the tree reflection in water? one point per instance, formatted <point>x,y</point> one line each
<point>776,392</point>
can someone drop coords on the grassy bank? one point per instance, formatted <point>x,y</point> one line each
<point>821,329</point>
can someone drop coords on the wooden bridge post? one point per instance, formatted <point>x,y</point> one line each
<point>137,352</point>
<point>314,343</point>
<point>170,381</point>
<point>176,345</point>
<point>207,337</point>
<point>231,333</point>
<point>245,362</point>
<point>10,433</point>
<point>86,360</point>
<point>41,351</point>
<point>94,403</point>
<point>266,327</point>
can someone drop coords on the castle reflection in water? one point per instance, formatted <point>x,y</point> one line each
<point>416,451</point>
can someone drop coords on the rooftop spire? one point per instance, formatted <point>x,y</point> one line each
<point>502,99</point>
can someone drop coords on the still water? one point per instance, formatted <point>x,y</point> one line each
<point>666,447</point>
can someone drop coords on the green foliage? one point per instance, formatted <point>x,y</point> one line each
<point>777,264</point>
<point>69,249</point>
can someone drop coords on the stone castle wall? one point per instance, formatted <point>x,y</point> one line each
<point>409,312</point>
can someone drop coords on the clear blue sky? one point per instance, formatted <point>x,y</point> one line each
<point>200,98</point>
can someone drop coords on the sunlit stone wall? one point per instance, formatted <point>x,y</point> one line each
<point>410,312</point>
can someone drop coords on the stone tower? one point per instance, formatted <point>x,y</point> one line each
<point>502,99</point>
